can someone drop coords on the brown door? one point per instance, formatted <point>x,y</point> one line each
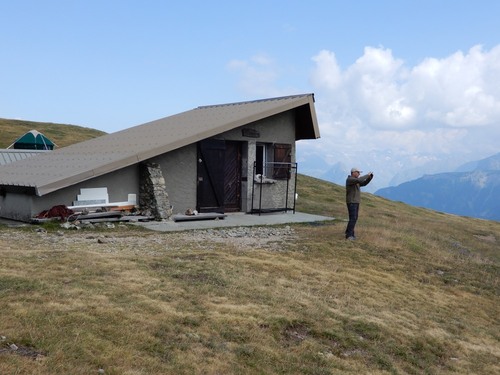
<point>232,177</point>
<point>219,176</point>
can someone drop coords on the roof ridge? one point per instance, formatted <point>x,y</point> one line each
<point>255,101</point>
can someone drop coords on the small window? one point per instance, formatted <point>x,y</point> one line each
<point>273,160</point>
<point>260,159</point>
<point>282,161</point>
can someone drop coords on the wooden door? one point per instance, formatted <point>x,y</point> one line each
<point>219,176</point>
<point>232,177</point>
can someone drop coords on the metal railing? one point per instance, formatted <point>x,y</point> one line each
<point>280,172</point>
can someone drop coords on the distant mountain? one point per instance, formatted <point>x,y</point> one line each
<point>338,172</point>
<point>489,164</point>
<point>440,165</point>
<point>472,191</point>
<point>389,169</point>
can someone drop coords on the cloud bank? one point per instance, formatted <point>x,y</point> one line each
<point>458,91</point>
<point>381,114</point>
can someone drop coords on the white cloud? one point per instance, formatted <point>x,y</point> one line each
<point>257,77</point>
<point>456,91</point>
<point>438,108</point>
<point>327,73</point>
<point>379,113</point>
<point>459,90</point>
<point>370,87</point>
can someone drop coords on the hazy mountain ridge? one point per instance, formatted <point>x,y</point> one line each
<point>389,169</point>
<point>472,190</point>
<point>491,163</point>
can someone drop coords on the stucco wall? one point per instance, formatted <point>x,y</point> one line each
<point>272,196</point>
<point>23,207</point>
<point>119,183</point>
<point>278,129</point>
<point>179,170</point>
<point>16,207</point>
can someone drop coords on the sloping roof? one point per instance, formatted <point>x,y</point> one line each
<point>95,157</point>
<point>10,156</point>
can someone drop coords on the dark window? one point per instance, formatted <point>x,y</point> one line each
<point>282,160</point>
<point>260,159</point>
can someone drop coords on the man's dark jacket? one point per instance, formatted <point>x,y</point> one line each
<point>352,184</point>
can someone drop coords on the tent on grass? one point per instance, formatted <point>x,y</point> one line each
<point>33,140</point>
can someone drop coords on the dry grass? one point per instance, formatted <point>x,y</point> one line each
<point>416,294</point>
<point>61,134</point>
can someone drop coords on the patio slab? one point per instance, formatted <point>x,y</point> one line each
<point>235,220</point>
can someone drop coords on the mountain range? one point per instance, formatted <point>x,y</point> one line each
<point>389,169</point>
<point>473,189</point>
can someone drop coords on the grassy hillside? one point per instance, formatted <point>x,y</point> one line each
<point>61,134</point>
<point>418,293</point>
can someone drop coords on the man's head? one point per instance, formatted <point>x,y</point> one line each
<point>355,172</point>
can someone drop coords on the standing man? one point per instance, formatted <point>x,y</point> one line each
<point>353,197</point>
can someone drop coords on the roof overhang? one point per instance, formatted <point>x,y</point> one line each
<point>73,164</point>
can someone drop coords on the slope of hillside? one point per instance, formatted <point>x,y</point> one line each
<point>416,294</point>
<point>61,134</point>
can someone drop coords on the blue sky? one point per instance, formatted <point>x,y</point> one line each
<point>402,87</point>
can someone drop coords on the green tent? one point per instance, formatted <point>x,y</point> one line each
<point>33,140</point>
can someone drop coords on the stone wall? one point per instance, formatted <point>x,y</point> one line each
<point>153,196</point>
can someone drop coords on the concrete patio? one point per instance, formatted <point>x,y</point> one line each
<point>235,220</point>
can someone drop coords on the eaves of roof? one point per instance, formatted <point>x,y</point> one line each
<point>82,161</point>
<point>8,156</point>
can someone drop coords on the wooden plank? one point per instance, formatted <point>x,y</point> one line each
<point>201,216</point>
<point>106,220</point>
<point>122,208</point>
<point>92,196</point>
<point>89,202</point>
<point>98,215</point>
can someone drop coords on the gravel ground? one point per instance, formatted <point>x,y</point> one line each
<point>108,239</point>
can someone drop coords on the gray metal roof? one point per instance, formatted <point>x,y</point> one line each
<point>8,156</point>
<point>95,157</point>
